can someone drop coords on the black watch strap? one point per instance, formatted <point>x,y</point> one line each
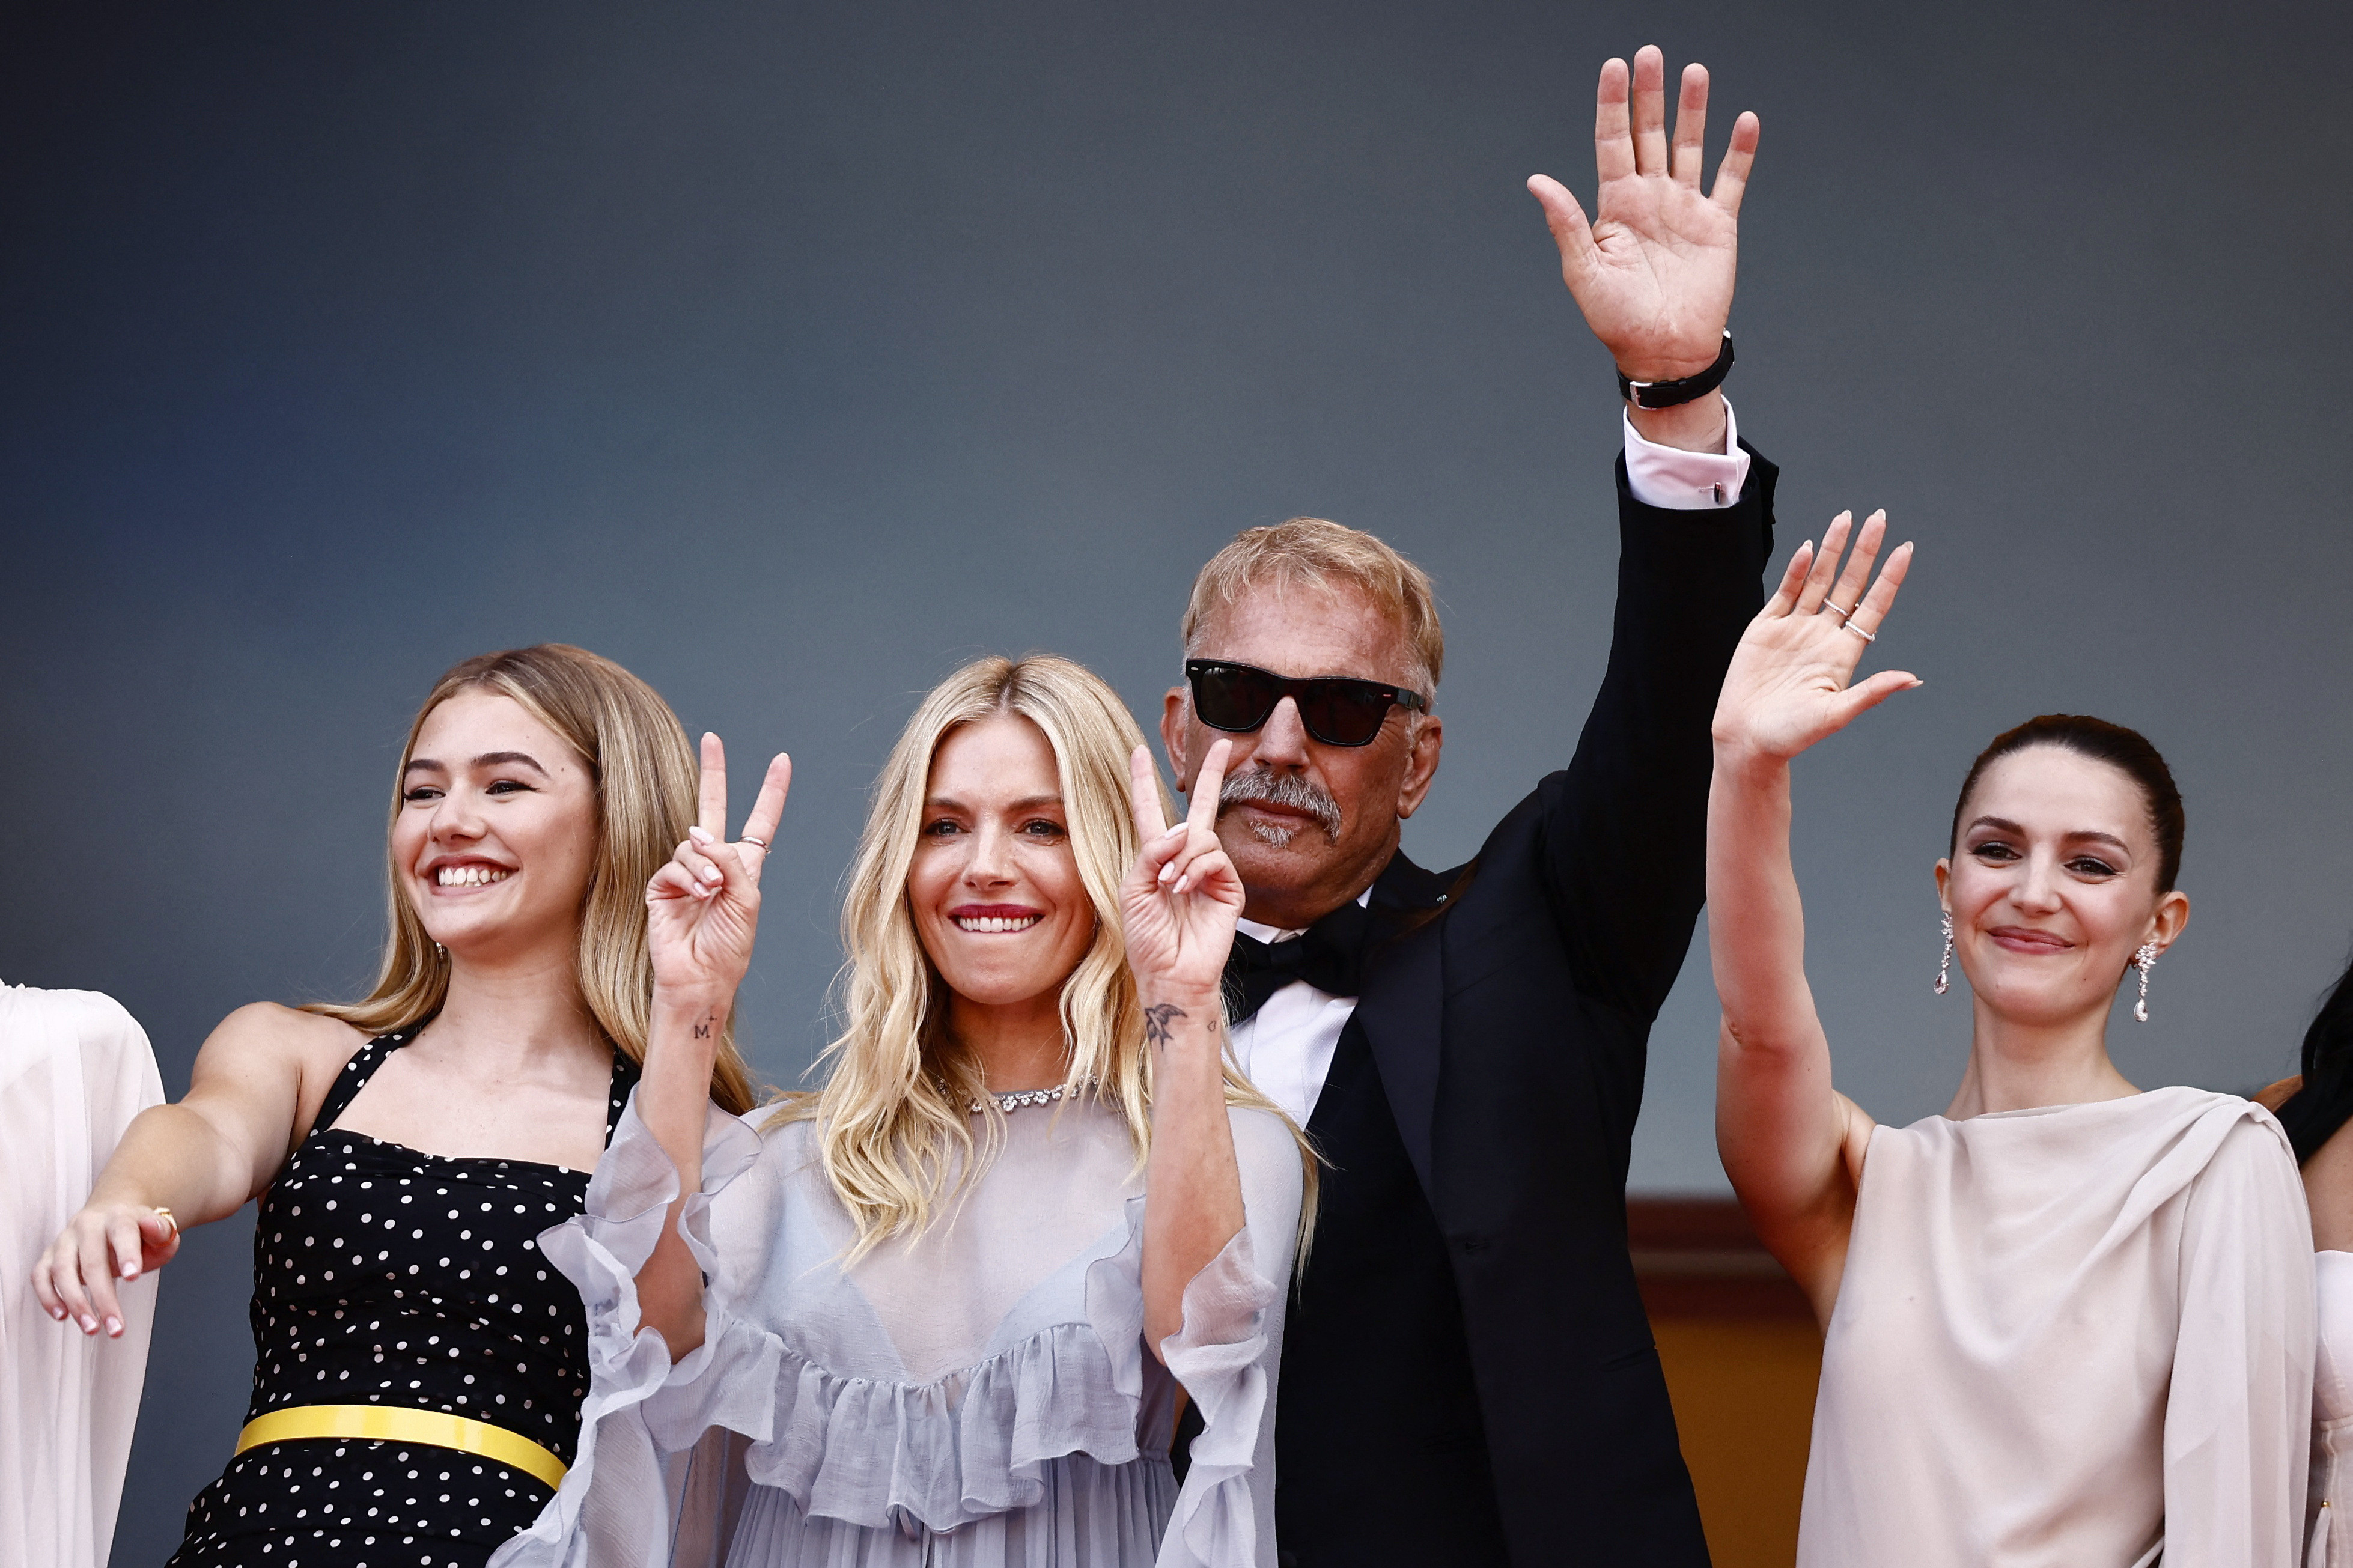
<point>1667,393</point>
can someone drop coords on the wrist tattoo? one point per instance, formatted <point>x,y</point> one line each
<point>1159,1022</point>
<point>702,1029</point>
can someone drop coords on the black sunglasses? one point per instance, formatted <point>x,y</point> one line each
<point>1336,711</point>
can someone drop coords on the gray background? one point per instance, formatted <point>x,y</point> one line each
<point>791,358</point>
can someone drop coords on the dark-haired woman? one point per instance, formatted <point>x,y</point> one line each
<point>419,1367</point>
<point>2066,1322</point>
<point>2315,1107</point>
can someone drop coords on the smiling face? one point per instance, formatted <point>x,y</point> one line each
<point>496,838</point>
<point>995,892</point>
<point>2052,885</point>
<point>1308,825</point>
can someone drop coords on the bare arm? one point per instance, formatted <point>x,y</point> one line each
<point>702,913</point>
<point>1792,1145</point>
<point>257,1081</point>
<point>1180,902</point>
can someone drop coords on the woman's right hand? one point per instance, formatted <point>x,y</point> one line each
<point>702,907</point>
<point>1786,687</point>
<point>75,1277</point>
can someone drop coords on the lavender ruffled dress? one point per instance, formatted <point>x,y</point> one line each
<point>981,1397</point>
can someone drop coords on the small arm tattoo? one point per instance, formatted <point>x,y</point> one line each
<point>702,1030</point>
<point>1159,1022</point>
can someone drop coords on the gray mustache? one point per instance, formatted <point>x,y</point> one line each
<point>1286,790</point>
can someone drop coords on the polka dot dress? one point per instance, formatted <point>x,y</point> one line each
<point>385,1276</point>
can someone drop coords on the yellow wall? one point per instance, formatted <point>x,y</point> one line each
<point>1744,1395</point>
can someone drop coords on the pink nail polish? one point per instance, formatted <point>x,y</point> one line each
<point>114,1328</point>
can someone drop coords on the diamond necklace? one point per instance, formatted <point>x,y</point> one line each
<point>1014,1099</point>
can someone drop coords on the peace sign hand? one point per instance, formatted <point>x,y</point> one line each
<point>702,907</point>
<point>1786,687</point>
<point>1653,271</point>
<point>1184,896</point>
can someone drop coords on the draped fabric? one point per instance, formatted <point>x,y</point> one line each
<point>981,1397</point>
<point>2328,1506</point>
<point>74,1069</point>
<point>2078,1336</point>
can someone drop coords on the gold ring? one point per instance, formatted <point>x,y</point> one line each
<point>167,1218</point>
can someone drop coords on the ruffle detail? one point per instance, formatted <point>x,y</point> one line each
<point>1216,1521</point>
<point>883,1454</point>
<point>600,1250</point>
<point>871,1452</point>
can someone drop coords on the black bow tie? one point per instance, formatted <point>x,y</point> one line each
<point>1329,956</point>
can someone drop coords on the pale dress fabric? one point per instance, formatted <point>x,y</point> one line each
<point>2073,1337</point>
<point>2330,1506</point>
<point>981,1398</point>
<point>74,1069</point>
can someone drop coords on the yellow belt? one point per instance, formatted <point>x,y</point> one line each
<point>396,1424</point>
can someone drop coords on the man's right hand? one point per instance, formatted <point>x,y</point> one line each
<point>1653,272</point>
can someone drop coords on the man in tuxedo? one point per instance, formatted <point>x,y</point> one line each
<point>1468,1375</point>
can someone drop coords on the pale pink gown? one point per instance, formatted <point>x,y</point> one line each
<point>2079,1336</point>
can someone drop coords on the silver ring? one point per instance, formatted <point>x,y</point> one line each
<point>761,842</point>
<point>1843,615</point>
<point>1857,630</point>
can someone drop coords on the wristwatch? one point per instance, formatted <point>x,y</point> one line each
<point>1667,393</point>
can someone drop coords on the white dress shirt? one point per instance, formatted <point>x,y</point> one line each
<point>1286,1047</point>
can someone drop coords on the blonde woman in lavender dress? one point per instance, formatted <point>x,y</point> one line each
<point>2067,1322</point>
<point>954,1297</point>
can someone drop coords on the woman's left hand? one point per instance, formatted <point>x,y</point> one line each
<point>1183,897</point>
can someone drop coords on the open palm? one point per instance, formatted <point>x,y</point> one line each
<point>1182,897</point>
<point>1789,685</point>
<point>1653,271</point>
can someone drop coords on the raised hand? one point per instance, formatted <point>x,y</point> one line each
<point>1183,897</point>
<point>1789,683</point>
<point>702,907</point>
<point>1653,270</point>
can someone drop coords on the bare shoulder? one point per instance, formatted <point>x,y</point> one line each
<point>268,1026</point>
<point>270,1038</point>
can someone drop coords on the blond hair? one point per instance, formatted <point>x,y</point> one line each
<point>645,774</point>
<point>894,1118</point>
<point>1309,552</point>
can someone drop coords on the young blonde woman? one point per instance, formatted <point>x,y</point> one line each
<point>953,1296</point>
<point>2067,1321</point>
<point>418,1367</point>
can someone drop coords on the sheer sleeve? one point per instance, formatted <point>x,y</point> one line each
<point>615,1507</point>
<point>2238,1420</point>
<point>1228,1356</point>
<point>74,1069</point>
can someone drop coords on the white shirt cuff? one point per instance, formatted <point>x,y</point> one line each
<point>1677,481</point>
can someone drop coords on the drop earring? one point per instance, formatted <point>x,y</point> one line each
<point>1944,964</point>
<point>2144,961</point>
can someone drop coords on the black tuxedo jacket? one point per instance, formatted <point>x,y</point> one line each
<point>1468,1374</point>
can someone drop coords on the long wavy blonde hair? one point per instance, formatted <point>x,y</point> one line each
<point>645,775</point>
<point>894,1119</point>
